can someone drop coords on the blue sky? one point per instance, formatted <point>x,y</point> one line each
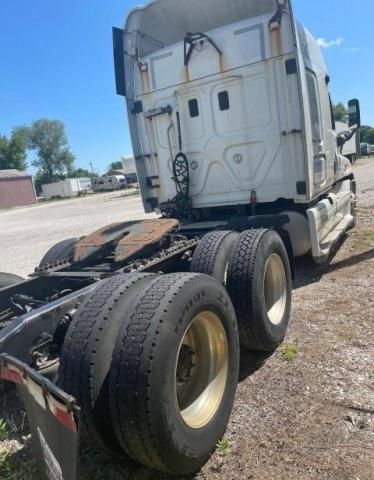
<point>56,62</point>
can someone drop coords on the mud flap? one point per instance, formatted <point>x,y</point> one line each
<point>53,418</point>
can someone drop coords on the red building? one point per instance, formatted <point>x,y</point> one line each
<point>16,188</point>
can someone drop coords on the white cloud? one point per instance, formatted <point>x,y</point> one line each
<point>322,42</point>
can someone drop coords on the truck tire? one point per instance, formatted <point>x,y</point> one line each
<point>62,251</point>
<point>7,279</point>
<point>174,372</point>
<point>212,254</point>
<point>259,284</point>
<point>87,352</point>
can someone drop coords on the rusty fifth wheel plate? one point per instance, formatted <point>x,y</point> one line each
<point>131,238</point>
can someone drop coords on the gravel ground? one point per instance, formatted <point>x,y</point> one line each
<point>305,412</point>
<point>26,233</point>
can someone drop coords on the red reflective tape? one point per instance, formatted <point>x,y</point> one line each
<point>65,418</point>
<point>11,375</point>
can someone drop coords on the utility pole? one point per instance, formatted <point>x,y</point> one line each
<point>92,170</point>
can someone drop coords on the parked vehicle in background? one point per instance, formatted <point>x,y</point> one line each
<point>109,184</point>
<point>142,322</point>
<point>351,148</point>
<point>70,187</point>
<point>365,149</point>
<point>129,169</point>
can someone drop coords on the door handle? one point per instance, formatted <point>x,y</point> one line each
<point>158,111</point>
<point>291,132</point>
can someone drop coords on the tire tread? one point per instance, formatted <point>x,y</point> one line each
<point>78,357</point>
<point>241,280</point>
<point>136,432</point>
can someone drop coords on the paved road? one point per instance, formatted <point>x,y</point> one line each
<point>26,233</point>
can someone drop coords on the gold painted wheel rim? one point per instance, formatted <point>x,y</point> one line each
<point>201,370</point>
<point>275,288</point>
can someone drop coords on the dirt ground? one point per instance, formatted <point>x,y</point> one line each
<point>307,411</point>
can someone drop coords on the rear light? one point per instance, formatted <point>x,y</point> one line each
<point>40,393</point>
<point>65,418</point>
<point>10,374</point>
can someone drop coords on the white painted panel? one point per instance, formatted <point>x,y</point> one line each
<point>204,61</point>
<point>246,45</point>
<point>164,69</point>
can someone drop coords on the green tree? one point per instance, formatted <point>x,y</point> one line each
<point>116,165</point>
<point>367,134</point>
<point>82,172</point>
<point>340,112</point>
<point>41,178</point>
<point>13,151</point>
<point>53,155</point>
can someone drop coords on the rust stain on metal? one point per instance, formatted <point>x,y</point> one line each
<point>143,234</point>
<point>276,41</point>
<point>131,238</point>
<point>186,74</point>
<point>99,239</point>
<point>221,63</point>
<point>145,81</point>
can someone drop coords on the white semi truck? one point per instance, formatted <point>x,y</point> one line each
<point>131,334</point>
<point>246,100</point>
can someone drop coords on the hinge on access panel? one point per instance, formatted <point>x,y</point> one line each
<point>291,66</point>
<point>301,188</point>
<point>137,107</point>
<point>151,179</point>
<point>291,132</point>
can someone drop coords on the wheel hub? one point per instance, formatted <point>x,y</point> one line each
<point>186,363</point>
<point>275,288</point>
<point>201,370</point>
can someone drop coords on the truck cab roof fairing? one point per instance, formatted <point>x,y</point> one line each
<point>164,22</point>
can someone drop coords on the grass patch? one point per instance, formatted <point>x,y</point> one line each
<point>223,446</point>
<point>3,429</point>
<point>346,332</point>
<point>369,237</point>
<point>289,351</point>
<point>18,463</point>
<point>5,466</point>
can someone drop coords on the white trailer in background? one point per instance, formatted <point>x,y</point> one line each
<point>71,187</point>
<point>129,168</point>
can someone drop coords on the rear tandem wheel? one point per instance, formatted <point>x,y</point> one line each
<point>174,372</point>
<point>60,252</point>
<point>87,352</point>
<point>7,279</point>
<point>170,383</point>
<point>212,254</point>
<point>259,283</point>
